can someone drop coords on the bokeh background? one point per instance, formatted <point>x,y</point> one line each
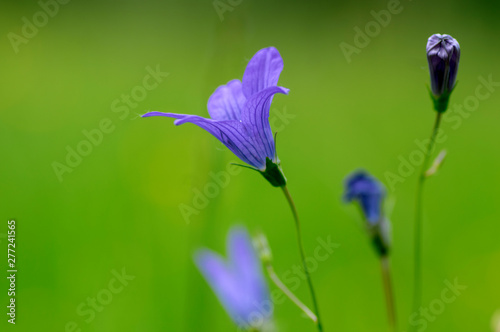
<point>119,207</point>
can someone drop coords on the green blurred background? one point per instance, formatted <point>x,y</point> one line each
<point>119,207</point>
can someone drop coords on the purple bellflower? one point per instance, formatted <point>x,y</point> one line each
<point>239,114</point>
<point>369,193</point>
<point>443,55</point>
<point>238,282</point>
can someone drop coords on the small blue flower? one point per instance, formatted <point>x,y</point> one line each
<point>238,282</point>
<point>368,192</point>
<point>239,111</point>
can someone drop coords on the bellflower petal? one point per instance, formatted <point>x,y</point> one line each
<point>219,276</point>
<point>262,71</point>
<point>239,282</point>
<point>247,264</point>
<point>368,192</point>
<point>256,112</point>
<point>232,133</point>
<point>227,101</point>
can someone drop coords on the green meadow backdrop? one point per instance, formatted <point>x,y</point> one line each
<point>110,205</point>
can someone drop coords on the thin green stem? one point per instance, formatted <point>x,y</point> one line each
<point>417,277</point>
<point>302,255</point>
<point>277,281</point>
<point>389,295</point>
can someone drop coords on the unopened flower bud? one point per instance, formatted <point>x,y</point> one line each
<point>443,55</point>
<point>262,246</point>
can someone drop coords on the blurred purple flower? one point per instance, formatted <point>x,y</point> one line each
<point>239,111</point>
<point>368,192</point>
<point>238,282</point>
<point>443,55</point>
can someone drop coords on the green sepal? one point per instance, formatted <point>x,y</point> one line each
<point>274,174</point>
<point>441,102</point>
<point>381,237</point>
<point>380,247</point>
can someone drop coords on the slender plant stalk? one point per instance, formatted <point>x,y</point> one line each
<point>302,255</point>
<point>417,277</point>
<point>389,296</point>
<point>277,281</point>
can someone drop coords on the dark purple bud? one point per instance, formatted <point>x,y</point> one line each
<point>443,55</point>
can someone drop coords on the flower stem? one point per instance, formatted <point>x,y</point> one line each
<point>389,296</point>
<point>277,281</point>
<point>417,277</point>
<point>302,255</point>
